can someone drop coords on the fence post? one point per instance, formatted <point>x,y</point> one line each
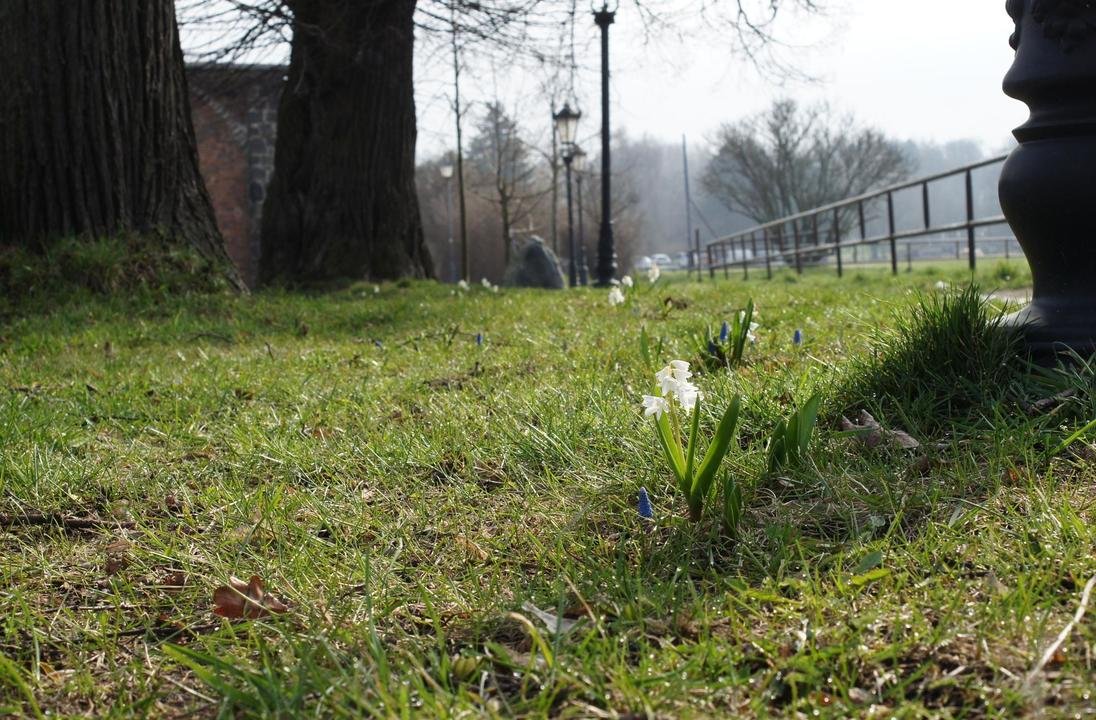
<point>699,269</point>
<point>890,229</point>
<point>798,257</point>
<point>768,257</point>
<point>837,240</point>
<point>909,258</point>
<point>925,204</point>
<point>726,272</point>
<point>745,266</point>
<point>970,219</point>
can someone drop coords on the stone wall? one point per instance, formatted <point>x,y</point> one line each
<point>235,110</point>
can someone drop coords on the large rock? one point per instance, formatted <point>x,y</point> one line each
<point>534,265</point>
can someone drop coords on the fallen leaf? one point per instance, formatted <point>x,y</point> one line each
<point>173,581</point>
<point>872,433</point>
<point>1046,405</point>
<point>557,625</point>
<point>117,556</point>
<point>245,600</point>
<point>471,547</point>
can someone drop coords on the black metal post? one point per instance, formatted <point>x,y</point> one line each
<point>970,219</point>
<point>890,233</point>
<point>837,240</point>
<point>606,252</point>
<point>572,271</point>
<point>745,267</point>
<point>583,270</point>
<point>449,221</point>
<point>798,257</point>
<point>699,273</point>
<point>768,258</point>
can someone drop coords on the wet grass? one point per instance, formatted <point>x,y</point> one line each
<point>415,497</point>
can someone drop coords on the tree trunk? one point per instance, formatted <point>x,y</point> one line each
<point>342,202</point>
<point>95,129</point>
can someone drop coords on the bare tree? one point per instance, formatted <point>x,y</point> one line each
<point>789,159</point>
<point>504,165</point>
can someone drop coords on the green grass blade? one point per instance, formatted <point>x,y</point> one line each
<point>718,449</point>
<point>672,449</point>
<point>691,448</point>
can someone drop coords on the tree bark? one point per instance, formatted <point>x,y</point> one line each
<point>95,130</point>
<point>342,202</point>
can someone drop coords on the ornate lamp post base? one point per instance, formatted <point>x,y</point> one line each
<point>1048,184</point>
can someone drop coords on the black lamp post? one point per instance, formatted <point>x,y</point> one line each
<point>606,252</point>
<point>580,168</point>
<point>566,121</point>
<point>1046,187</point>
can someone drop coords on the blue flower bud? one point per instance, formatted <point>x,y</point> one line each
<point>479,338</point>
<point>797,338</point>
<point>645,510</point>
<point>378,343</point>
<point>724,332</point>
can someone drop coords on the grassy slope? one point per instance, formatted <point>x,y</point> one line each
<point>405,498</point>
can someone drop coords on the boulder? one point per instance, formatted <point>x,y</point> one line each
<point>534,265</point>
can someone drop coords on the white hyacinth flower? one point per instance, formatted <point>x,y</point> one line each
<point>667,383</point>
<point>463,284</point>
<point>626,281</point>
<point>616,297</point>
<point>655,405</point>
<point>687,394</point>
<point>653,272</point>
<point>486,283</point>
<point>750,333</point>
<point>680,370</point>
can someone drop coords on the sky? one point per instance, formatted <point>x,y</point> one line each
<point>926,70</point>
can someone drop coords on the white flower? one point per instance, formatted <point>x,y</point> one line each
<point>667,383</point>
<point>750,333</point>
<point>486,283</point>
<point>653,272</point>
<point>494,288</point>
<point>614,281</point>
<point>687,395</point>
<point>463,284</point>
<point>655,405</point>
<point>680,370</point>
<point>626,281</point>
<point>673,381</point>
<point>941,285</point>
<point>376,289</point>
<point>616,297</point>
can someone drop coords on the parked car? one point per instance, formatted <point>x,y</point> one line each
<point>663,261</point>
<point>644,263</point>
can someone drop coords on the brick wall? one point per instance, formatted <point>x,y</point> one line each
<point>234,109</point>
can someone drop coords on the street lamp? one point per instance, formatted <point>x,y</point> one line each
<point>579,163</point>
<point>606,253</point>
<point>447,173</point>
<point>566,121</point>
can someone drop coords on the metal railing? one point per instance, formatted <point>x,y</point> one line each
<point>818,233</point>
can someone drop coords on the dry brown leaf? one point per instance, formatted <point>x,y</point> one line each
<point>245,600</point>
<point>872,433</point>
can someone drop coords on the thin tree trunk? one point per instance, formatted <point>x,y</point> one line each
<point>342,202</point>
<point>95,129</point>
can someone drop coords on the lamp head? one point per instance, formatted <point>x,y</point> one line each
<point>566,121</point>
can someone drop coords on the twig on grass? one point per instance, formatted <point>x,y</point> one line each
<point>68,523</point>
<point>1086,595</point>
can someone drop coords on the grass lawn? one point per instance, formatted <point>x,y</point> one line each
<point>423,503</point>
